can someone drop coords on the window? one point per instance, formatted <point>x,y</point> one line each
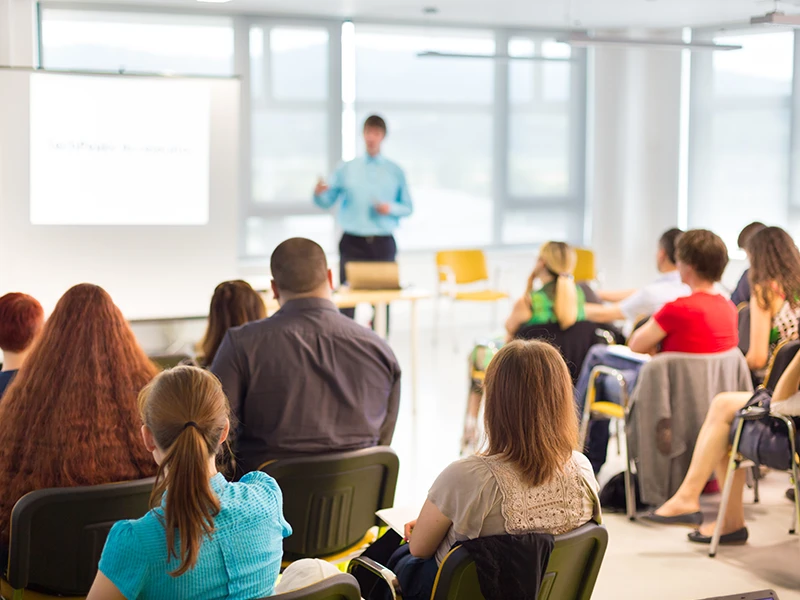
<point>134,42</point>
<point>741,134</point>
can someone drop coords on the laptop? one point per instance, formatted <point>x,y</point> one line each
<point>762,595</point>
<point>367,276</point>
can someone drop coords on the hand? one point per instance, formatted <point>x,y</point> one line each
<point>383,208</point>
<point>321,188</point>
<point>408,530</point>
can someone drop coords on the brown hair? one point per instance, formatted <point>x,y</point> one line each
<point>375,122</point>
<point>774,266</point>
<point>70,416</point>
<point>705,252</point>
<point>669,242</point>
<point>530,411</point>
<point>299,266</point>
<point>21,318</point>
<point>187,412</point>
<point>560,259</point>
<point>234,303</point>
<point>747,233</point>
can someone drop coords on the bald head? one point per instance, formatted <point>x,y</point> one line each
<point>299,268</point>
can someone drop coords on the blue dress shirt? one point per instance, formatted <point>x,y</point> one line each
<point>361,184</point>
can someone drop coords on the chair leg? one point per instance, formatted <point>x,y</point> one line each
<point>756,478</point>
<point>733,464</point>
<point>617,438</point>
<point>630,493</point>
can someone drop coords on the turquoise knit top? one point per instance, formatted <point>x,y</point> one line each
<point>240,561</point>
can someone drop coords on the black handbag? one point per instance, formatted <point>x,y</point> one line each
<point>766,440</point>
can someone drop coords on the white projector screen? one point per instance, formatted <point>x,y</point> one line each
<point>118,151</point>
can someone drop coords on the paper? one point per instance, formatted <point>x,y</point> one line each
<point>397,517</point>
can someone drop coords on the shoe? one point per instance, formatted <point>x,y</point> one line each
<point>729,539</point>
<point>694,519</point>
<point>790,494</point>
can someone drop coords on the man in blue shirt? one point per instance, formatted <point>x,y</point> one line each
<point>374,197</point>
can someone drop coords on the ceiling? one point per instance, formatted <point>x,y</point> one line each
<point>522,13</point>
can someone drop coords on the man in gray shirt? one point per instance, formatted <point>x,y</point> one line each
<point>307,380</point>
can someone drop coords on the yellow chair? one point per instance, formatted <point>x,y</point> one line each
<point>457,268</point>
<point>585,268</point>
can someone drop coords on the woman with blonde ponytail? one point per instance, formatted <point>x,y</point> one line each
<point>558,300</point>
<point>204,537</point>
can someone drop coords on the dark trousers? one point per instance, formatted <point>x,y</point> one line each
<point>353,248</point>
<point>416,576</point>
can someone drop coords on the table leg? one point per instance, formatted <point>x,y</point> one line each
<point>379,320</point>
<point>414,357</point>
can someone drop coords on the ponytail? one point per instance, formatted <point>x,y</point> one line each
<point>187,413</point>
<point>191,504</point>
<point>565,303</point>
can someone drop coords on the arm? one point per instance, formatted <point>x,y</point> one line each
<point>402,206</point>
<point>520,314</point>
<point>387,429</point>
<point>104,589</point>
<point>614,295</point>
<point>429,531</point>
<point>334,189</point>
<point>646,339</point>
<point>789,381</point>
<point>603,313</point>
<point>760,326</point>
<point>227,368</point>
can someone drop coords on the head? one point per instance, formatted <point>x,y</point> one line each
<point>701,257</point>
<point>747,233</point>
<point>185,417</point>
<point>300,270</point>
<point>557,262</point>
<point>84,372</point>
<point>667,245</point>
<point>530,411</point>
<point>234,303</point>
<point>374,133</point>
<point>21,320</point>
<point>774,266</point>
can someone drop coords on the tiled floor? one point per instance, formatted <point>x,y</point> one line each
<point>643,561</point>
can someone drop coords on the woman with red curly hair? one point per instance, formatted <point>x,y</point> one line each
<point>21,319</point>
<point>71,417</point>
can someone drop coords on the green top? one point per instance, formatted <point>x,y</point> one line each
<point>542,305</point>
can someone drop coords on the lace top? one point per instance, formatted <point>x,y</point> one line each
<point>485,496</point>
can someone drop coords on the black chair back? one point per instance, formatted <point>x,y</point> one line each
<point>781,357</point>
<point>58,534</point>
<point>330,500</point>
<point>573,343</point>
<point>571,572</point>
<point>338,587</point>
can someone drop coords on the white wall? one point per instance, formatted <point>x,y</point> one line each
<point>17,33</point>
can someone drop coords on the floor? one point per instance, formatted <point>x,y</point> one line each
<point>642,561</point>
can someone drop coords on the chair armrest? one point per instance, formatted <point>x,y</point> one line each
<point>378,569</point>
<point>753,413</point>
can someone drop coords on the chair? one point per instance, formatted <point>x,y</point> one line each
<point>170,361</point>
<point>57,536</point>
<point>330,500</point>
<point>744,328</point>
<point>338,587</point>
<point>585,269</point>
<point>457,268</point>
<point>571,571</point>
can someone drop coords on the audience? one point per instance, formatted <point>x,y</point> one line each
<point>558,300</point>
<point>529,479</point>
<point>308,379</point>
<point>712,452</point>
<point>633,305</point>
<point>742,291</point>
<point>171,552</point>
<point>234,303</point>
<point>21,319</point>
<point>774,280</point>
<point>70,417</point>
<point>704,322</point>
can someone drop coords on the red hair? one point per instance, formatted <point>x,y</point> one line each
<point>70,417</point>
<point>21,318</point>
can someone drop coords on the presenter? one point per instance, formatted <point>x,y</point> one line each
<point>374,197</point>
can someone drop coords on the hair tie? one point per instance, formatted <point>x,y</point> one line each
<point>191,424</point>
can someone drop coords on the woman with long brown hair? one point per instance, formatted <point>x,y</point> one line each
<point>205,538</point>
<point>70,417</point>
<point>234,303</point>
<point>530,465</point>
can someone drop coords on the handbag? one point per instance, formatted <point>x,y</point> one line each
<point>766,440</point>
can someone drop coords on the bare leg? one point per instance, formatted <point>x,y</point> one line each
<point>733,519</point>
<point>710,450</point>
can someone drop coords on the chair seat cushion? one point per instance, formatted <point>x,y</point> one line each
<point>481,296</point>
<point>608,409</point>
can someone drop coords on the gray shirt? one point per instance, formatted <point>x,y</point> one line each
<point>307,380</point>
